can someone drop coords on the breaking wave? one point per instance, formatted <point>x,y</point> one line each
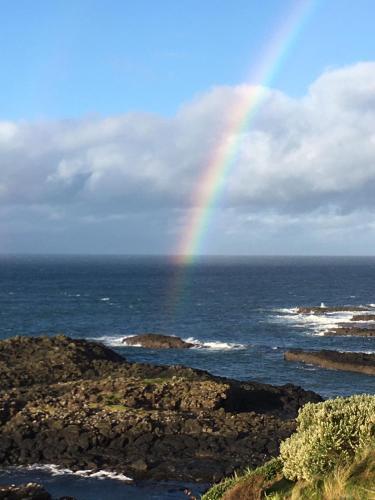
<point>215,345</point>
<point>111,340</point>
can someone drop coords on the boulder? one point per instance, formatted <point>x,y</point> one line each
<point>157,341</point>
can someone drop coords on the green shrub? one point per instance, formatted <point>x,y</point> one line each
<point>328,434</point>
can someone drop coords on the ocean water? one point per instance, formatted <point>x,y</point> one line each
<point>241,311</point>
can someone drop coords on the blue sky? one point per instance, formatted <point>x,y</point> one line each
<point>110,111</point>
<point>75,57</point>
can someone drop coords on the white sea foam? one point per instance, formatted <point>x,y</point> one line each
<point>105,299</point>
<point>368,351</point>
<point>287,310</point>
<point>111,340</point>
<point>215,345</point>
<point>56,470</point>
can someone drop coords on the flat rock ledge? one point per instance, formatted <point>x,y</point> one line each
<point>363,317</point>
<point>79,405</point>
<point>329,309</point>
<point>157,341</point>
<point>347,361</point>
<point>350,331</point>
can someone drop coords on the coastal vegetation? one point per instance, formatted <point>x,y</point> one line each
<point>330,456</point>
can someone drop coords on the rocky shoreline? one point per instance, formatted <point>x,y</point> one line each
<point>347,361</point>
<point>80,405</point>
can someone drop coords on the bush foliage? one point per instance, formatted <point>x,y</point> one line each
<point>328,434</point>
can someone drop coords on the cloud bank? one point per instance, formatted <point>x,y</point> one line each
<point>303,180</point>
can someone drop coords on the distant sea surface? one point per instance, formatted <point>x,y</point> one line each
<point>241,311</point>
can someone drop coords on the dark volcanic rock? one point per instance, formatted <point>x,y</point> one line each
<point>30,491</point>
<point>329,309</point>
<point>85,407</point>
<point>350,331</point>
<point>26,361</point>
<point>347,361</point>
<point>157,341</point>
<point>363,317</point>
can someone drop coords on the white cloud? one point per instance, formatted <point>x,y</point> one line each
<point>298,158</point>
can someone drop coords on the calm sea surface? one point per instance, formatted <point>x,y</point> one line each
<point>240,310</point>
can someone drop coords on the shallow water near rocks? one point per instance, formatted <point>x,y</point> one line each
<point>241,312</point>
<point>99,489</point>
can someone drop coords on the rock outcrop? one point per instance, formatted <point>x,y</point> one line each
<point>347,361</point>
<point>350,331</point>
<point>80,405</point>
<point>157,341</point>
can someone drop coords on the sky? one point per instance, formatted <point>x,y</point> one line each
<point>110,111</point>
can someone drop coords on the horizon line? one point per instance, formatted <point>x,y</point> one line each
<point>172,256</point>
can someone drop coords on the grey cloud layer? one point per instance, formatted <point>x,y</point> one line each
<point>299,157</point>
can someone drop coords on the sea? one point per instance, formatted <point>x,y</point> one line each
<point>240,311</point>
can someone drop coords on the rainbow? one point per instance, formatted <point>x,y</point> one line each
<point>222,158</point>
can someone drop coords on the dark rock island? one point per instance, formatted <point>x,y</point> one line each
<point>157,341</point>
<point>80,405</point>
<point>347,361</point>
